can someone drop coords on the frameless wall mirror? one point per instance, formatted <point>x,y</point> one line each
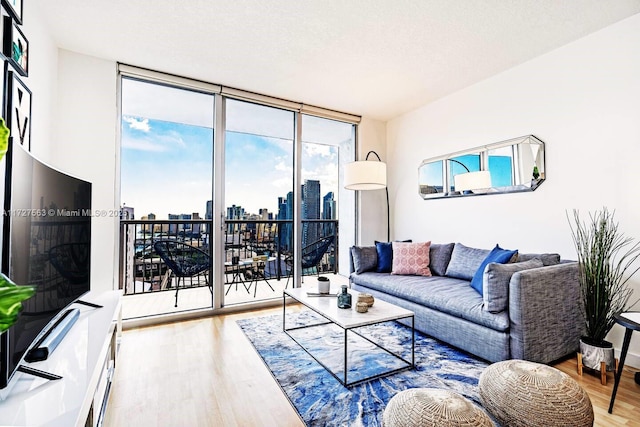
<point>510,166</point>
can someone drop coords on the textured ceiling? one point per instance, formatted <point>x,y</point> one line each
<point>376,58</point>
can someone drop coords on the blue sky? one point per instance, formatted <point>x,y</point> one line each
<point>166,168</point>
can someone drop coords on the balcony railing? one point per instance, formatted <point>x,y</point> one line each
<point>143,271</point>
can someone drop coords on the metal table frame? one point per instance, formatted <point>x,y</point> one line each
<point>629,326</point>
<point>344,381</point>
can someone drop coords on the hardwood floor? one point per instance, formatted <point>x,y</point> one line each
<point>205,372</point>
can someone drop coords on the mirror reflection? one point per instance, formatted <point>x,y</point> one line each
<point>514,165</point>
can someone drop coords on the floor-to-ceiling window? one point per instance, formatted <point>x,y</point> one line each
<point>258,181</point>
<point>251,196</point>
<point>328,209</point>
<point>166,180</point>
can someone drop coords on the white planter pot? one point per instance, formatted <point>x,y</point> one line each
<point>593,355</point>
<point>324,285</point>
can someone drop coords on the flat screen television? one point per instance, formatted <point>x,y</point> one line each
<point>46,243</point>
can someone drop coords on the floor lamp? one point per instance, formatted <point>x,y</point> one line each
<point>368,175</point>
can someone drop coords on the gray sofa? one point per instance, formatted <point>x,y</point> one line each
<point>533,315</point>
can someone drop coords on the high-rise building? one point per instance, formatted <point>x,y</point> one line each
<point>328,212</point>
<point>285,212</point>
<point>310,210</point>
<point>234,213</point>
<point>184,228</point>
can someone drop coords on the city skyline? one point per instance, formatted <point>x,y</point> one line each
<point>167,156</point>
<point>177,160</point>
<point>328,211</point>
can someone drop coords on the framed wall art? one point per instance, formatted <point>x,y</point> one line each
<point>15,46</point>
<point>3,86</point>
<point>14,8</point>
<point>19,110</point>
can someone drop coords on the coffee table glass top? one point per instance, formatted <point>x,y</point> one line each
<point>348,318</point>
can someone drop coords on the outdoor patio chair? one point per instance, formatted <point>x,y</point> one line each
<point>184,261</point>
<point>258,273</point>
<point>311,256</point>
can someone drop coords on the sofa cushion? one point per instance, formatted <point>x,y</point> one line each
<point>497,255</point>
<point>496,279</point>
<point>445,294</point>
<point>439,257</point>
<point>465,261</point>
<point>411,258</point>
<point>385,256</point>
<point>365,258</point>
<point>547,259</point>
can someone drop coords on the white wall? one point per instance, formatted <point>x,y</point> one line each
<point>74,119</point>
<point>84,138</point>
<point>582,100</point>
<point>42,80</point>
<point>371,205</point>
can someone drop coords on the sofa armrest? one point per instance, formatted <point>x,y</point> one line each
<point>545,313</point>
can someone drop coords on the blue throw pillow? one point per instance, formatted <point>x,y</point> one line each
<point>498,255</point>
<point>385,256</point>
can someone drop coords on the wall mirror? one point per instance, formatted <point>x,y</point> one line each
<point>510,166</point>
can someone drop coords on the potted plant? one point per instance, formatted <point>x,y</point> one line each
<point>606,263</point>
<point>11,297</point>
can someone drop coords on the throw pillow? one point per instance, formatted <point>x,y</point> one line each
<point>385,256</point>
<point>439,257</point>
<point>365,258</point>
<point>496,280</point>
<point>411,258</point>
<point>547,259</point>
<point>497,255</point>
<point>465,261</point>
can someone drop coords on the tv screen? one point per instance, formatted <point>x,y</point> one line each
<point>46,244</point>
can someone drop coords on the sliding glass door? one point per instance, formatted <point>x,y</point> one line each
<point>248,183</point>
<point>258,182</point>
<point>166,167</point>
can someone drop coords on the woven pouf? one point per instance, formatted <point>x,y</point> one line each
<point>521,393</point>
<point>432,407</point>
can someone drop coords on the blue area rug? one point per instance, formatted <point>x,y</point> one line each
<point>321,400</point>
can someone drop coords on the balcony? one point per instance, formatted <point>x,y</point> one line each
<point>257,263</point>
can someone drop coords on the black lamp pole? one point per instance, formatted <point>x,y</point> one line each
<point>386,190</point>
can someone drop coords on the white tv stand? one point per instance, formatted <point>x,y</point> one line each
<point>85,359</point>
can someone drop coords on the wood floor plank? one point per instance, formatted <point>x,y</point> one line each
<point>205,372</point>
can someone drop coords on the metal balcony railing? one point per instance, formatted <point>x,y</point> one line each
<point>143,271</point>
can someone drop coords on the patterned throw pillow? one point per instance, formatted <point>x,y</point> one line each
<point>411,258</point>
<point>385,256</point>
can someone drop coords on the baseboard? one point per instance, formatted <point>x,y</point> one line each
<point>632,360</point>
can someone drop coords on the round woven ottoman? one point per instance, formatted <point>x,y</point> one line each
<point>432,407</point>
<point>521,393</point>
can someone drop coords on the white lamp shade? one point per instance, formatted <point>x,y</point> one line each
<point>365,175</point>
<point>472,181</point>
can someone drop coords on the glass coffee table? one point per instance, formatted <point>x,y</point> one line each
<point>349,326</point>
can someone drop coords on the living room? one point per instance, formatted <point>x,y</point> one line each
<point>578,95</point>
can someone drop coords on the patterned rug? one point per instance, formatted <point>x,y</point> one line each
<point>321,400</point>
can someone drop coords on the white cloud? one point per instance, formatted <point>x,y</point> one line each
<point>142,144</point>
<point>134,123</point>
<point>317,150</point>
<point>282,166</point>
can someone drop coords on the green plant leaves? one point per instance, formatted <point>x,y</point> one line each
<point>4,138</point>
<point>606,259</point>
<point>11,297</point>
